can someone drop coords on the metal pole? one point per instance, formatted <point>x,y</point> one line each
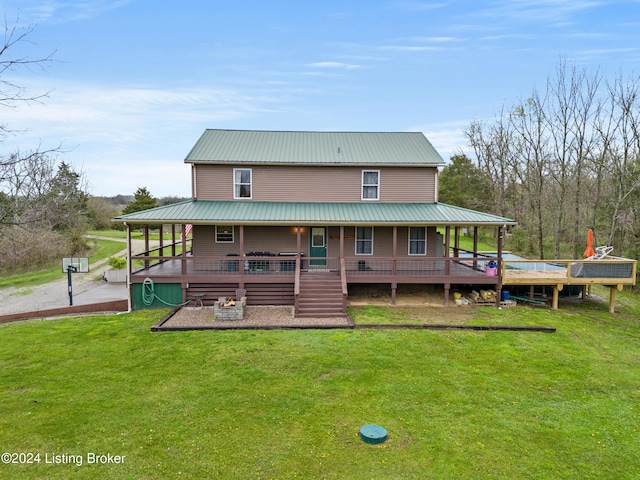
<point>70,269</point>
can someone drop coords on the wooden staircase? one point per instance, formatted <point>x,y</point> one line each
<point>320,295</point>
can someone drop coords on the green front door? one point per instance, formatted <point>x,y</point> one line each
<point>318,246</point>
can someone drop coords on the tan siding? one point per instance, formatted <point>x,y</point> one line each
<point>284,239</point>
<point>317,184</point>
<point>273,239</point>
<point>256,239</point>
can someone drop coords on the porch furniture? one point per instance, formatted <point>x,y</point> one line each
<point>198,296</point>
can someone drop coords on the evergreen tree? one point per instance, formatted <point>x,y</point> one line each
<point>142,200</point>
<point>462,184</point>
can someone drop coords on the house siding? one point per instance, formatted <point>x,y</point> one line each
<point>317,184</point>
<point>277,240</point>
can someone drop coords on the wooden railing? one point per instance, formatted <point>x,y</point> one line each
<point>606,271</point>
<point>254,265</point>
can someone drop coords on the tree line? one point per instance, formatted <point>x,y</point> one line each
<point>561,161</point>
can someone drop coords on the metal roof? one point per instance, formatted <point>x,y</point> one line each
<point>209,212</point>
<point>314,148</point>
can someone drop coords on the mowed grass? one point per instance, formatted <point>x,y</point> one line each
<point>289,404</point>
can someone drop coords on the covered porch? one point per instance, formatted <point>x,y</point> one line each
<point>307,254</point>
<point>279,278</point>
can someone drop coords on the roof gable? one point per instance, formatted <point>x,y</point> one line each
<point>314,148</point>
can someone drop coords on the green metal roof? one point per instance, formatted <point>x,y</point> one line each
<point>203,212</point>
<point>314,148</point>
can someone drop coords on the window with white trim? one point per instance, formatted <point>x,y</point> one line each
<point>364,240</point>
<point>417,241</point>
<point>242,183</point>
<point>370,184</point>
<point>224,234</point>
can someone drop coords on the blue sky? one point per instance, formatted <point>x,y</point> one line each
<point>135,83</point>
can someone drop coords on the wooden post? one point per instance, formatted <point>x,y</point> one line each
<point>612,299</point>
<point>243,259</point>
<point>129,267</point>
<point>447,288</point>
<point>184,249</point>
<point>499,269</point>
<point>394,251</point>
<point>146,245</point>
<point>456,241</point>
<point>556,295</point>
<point>447,246</point>
<point>173,239</point>
<point>475,247</point>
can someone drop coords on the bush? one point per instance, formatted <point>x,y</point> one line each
<point>117,263</point>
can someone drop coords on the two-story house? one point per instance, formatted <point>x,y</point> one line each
<point>297,217</point>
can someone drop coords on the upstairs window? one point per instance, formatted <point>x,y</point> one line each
<point>370,184</point>
<point>364,240</point>
<point>241,183</point>
<point>417,241</point>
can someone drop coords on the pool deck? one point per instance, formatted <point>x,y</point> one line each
<point>612,272</point>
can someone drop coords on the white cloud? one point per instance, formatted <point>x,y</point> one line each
<point>334,65</point>
<point>123,136</point>
<point>56,11</point>
<point>447,137</point>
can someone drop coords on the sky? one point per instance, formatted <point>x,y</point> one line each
<point>134,83</point>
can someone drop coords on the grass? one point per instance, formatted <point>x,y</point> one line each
<point>135,234</point>
<point>289,404</point>
<point>100,249</point>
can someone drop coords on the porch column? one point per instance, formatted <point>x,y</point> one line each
<point>475,247</point>
<point>447,246</point>
<point>298,240</point>
<point>243,259</point>
<point>394,265</point>
<point>129,267</point>
<point>341,241</point>
<point>161,241</point>
<point>173,239</point>
<point>146,245</point>
<point>499,269</point>
<point>456,241</point>
<point>183,254</point>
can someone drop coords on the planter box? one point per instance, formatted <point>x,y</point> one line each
<point>115,276</point>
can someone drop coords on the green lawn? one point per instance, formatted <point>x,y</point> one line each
<point>289,404</point>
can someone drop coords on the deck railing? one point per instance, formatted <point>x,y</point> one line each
<point>267,265</point>
<point>610,270</point>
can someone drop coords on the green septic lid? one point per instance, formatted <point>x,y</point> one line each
<point>373,434</point>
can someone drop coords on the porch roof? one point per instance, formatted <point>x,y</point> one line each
<point>209,212</point>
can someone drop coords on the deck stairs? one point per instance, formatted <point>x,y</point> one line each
<point>320,295</point>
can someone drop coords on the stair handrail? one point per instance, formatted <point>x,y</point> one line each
<point>343,276</point>
<point>296,287</point>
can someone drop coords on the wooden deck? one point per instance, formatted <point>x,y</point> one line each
<point>612,272</point>
<point>282,272</point>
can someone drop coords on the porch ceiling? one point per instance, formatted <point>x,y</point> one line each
<point>203,212</point>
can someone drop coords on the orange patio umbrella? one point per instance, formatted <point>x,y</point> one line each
<point>589,252</point>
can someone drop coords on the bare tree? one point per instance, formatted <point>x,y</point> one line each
<point>12,94</point>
